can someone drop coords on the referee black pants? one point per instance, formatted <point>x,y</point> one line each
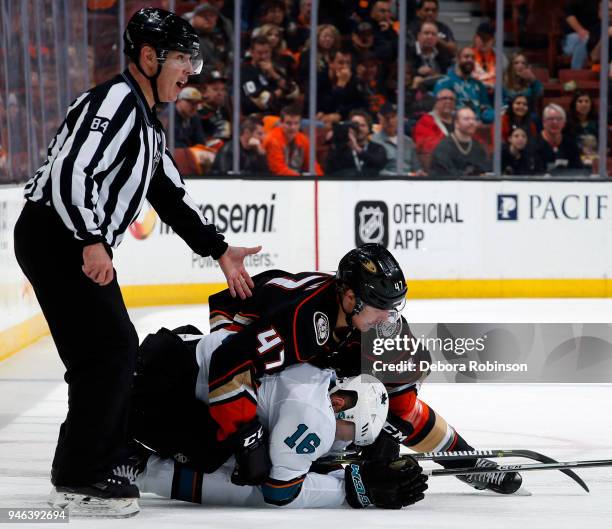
<point>96,342</point>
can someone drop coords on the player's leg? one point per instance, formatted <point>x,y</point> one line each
<point>170,479</point>
<point>424,430</point>
<point>95,340</point>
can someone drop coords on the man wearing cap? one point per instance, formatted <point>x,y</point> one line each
<point>215,44</point>
<point>362,40</point>
<point>213,112</point>
<point>387,137</point>
<point>187,125</point>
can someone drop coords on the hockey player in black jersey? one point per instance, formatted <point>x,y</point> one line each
<point>319,318</point>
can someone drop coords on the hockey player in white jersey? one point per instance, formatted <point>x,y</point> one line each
<point>303,419</point>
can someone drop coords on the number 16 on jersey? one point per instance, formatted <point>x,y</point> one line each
<point>308,443</point>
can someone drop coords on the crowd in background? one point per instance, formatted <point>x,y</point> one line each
<point>449,114</point>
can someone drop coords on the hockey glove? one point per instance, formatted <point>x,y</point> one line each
<point>252,458</point>
<point>385,447</point>
<point>385,484</point>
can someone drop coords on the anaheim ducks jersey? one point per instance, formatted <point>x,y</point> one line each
<point>289,320</point>
<point>294,409</point>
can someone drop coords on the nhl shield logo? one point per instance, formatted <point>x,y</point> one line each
<point>321,326</point>
<point>371,223</point>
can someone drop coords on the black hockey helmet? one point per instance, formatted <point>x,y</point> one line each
<point>374,275</point>
<point>164,31</point>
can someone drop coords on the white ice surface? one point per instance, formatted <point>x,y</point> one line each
<point>567,422</point>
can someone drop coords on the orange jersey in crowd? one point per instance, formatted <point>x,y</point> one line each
<point>288,159</point>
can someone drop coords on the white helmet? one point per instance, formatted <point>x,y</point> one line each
<point>371,406</point>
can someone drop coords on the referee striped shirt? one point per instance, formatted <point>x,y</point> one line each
<point>107,157</point>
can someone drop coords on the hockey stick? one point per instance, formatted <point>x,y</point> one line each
<point>438,457</point>
<point>519,468</point>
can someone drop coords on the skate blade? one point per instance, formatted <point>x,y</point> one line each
<point>520,492</point>
<point>82,506</point>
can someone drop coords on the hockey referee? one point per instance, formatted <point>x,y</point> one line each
<point>108,157</point>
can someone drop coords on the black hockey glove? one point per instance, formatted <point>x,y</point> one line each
<point>252,458</point>
<point>385,447</point>
<point>385,484</point>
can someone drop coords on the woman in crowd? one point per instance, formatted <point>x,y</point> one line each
<point>519,79</point>
<point>582,123</point>
<point>518,115</point>
<point>328,39</point>
<point>281,56</point>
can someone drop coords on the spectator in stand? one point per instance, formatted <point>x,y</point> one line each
<point>429,61</point>
<point>470,92</point>
<point>362,41</point>
<point>352,152</point>
<point>557,151</point>
<point>484,55</point>
<point>517,157</point>
<point>459,154</point>
<point>580,16</point>
<point>187,126</point>
<point>519,79</point>
<point>328,40</point>
<point>370,83</point>
<point>385,37</point>
<point>253,159</point>
<point>264,89</point>
<point>582,124</point>
<point>518,115</point>
<point>287,149</point>
<point>282,59</point>
<point>298,31</point>
<point>273,12</point>
<point>437,124</point>
<point>337,88</point>
<point>419,101</point>
<point>215,44</point>
<point>213,111</point>
<point>387,137</point>
<point>427,11</point>
<point>594,42</point>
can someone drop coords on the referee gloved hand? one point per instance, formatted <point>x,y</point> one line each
<point>97,264</point>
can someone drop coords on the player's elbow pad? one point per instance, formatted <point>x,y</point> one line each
<point>281,493</point>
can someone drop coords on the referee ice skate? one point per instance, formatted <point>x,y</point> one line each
<point>107,157</point>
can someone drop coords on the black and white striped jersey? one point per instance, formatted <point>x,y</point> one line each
<point>107,157</point>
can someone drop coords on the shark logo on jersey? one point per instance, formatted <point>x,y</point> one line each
<point>321,325</point>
